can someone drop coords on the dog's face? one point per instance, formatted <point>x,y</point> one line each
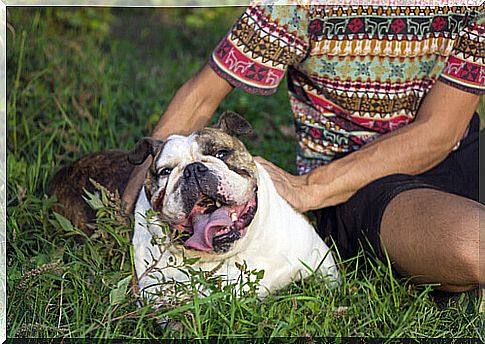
<point>203,185</point>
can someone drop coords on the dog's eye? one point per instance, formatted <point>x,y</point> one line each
<point>222,154</point>
<point>165,171</point>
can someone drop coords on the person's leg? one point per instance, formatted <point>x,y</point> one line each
<point>433,236</point>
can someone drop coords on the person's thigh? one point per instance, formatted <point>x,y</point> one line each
<point>433,237</point>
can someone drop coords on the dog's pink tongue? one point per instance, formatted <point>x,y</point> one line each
<point>206,226</point>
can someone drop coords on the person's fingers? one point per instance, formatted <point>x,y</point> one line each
<point>133,187</point>
<point>271,168</point>
<point>262,160</point>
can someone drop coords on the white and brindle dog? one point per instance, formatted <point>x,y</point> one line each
<point>208,189</point>
<point>213,202</point>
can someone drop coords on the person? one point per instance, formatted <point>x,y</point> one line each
<point>383,100</point>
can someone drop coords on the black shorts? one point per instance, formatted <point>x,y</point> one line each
<point>357,222</point>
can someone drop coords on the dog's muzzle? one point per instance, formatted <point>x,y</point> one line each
<point>212,224</point>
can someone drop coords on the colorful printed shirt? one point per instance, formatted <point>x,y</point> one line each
<point>356,72</point>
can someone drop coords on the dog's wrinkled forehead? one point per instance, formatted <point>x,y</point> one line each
<point>206,142</point>
<point>210,139</point>
<point>176,149</point>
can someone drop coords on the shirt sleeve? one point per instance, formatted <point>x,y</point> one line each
<point>263,42</point>
<point>465,67</point>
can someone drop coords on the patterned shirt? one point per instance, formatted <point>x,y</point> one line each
<point>355,72</point>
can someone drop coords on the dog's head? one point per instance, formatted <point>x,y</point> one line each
<point>203,185</point>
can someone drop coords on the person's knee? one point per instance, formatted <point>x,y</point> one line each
<point>433,237</point>
<point>464,260</point>
<point>467,266</point>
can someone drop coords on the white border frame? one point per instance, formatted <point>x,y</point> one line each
<point>3,172</point>
<point>140,3</point>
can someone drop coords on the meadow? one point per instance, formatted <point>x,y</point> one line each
<point>83,80</point>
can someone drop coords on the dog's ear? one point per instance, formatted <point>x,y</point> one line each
<point>144,147</point>
<point>233,124</point>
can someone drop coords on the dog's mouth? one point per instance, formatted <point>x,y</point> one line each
<point>214,226</point>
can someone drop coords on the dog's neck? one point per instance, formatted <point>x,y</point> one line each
<point>266,191</point>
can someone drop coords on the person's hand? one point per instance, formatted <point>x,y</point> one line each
<point>294,189</point>
<point>132,189</point>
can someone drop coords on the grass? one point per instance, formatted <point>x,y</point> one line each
<point>79,81</point>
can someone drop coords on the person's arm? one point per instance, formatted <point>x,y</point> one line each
<point>190,109</point>
<point>440,123</point>
<point>193,105</point>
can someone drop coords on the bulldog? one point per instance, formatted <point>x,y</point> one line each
<point>216,204</point>
<point>204,199</point>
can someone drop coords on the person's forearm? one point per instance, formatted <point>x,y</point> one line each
<point>193,105</point>
<point>413,149</point>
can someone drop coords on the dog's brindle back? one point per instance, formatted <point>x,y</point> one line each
<point>110,169</point>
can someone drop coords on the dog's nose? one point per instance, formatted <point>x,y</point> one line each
<point>195,168</point>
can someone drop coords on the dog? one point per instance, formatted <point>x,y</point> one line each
<point>206,199</point>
